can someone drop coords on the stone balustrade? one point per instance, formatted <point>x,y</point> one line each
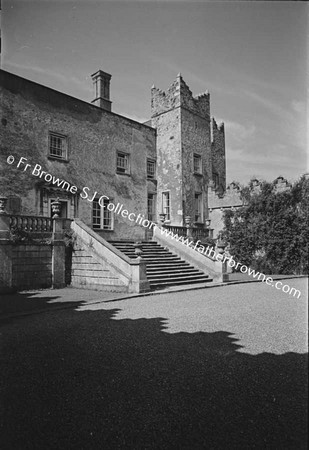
<point>31,223</point>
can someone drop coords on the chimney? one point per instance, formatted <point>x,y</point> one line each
<point>101,82</point>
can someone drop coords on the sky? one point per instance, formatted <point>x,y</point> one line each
<point>251,57</point>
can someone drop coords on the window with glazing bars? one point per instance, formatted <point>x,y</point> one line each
<point>198,207</point>
<point>57,146</point>
<point>151,207</point>
<point>215,178</point>
<point>151,168</point>
<point>122,163</point>
<point>166,205</point>
<point>102,218</point>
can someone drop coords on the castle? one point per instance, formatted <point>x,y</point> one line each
<point>171,165</point>
<point>65,158</point>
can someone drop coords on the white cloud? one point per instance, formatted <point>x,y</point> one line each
<point>299,107</point>
<point>238,131</point>
<point>140,119</point>
<point>47,72</point>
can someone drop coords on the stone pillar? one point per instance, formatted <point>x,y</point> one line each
<point>58,257</point>
<point>144,285</point>
<point>220,249</point>
<point>139,282</point>
<point>4,227</point>
<point>6,266</point>
<point>189,227</point>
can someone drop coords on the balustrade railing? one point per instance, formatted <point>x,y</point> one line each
<point>200,233</point>
<point>181,231</point>
<point>196,232</point>
<point>31,223</point>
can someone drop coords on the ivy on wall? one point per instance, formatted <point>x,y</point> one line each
<point>271,232</point>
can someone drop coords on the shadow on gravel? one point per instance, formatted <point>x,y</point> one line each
<point>80,380</point>
<point>25,302</point>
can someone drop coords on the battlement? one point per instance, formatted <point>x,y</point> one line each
<point>230,198</point>
<point>217,129</point>
<point>217,137</point>
<point>179,95</point>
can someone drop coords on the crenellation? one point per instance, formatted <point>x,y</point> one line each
<point>281,184</point>
<point>179,95</point>
<point>221,127</point>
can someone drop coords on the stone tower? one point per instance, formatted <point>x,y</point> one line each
<point>186,154</point>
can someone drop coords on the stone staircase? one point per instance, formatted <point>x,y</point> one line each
<point>164,268</point>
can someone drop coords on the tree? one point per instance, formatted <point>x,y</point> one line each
<point>271,232</point>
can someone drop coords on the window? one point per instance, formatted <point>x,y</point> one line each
<point>197,162</point>
<point>166,205</point>
<point>151,207</point>
<point>151,168</point>
<point>215,179</point>
<point>58,146</point>
<point>123,163</point>
<point>102,218</point>
<point>198,207</point>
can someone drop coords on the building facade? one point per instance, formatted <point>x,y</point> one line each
<point>90,158</point>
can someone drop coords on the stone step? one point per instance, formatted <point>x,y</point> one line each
<point>144,248</point>
<point>161,285</point>
<point>165,256</point>
<point>182,276</point>
<point>145,252</point>
<point>81,259</point>
<point>93,279</point>
<point>161,271</point>
<point>163,267</point>
<point>110,284</point>
<point>86,265</point>
<point>131,243</point>
<point>155,262</point>
<point>181,265</point>
<point>175,275</point>
<point>150,256</point>
<point>97,273</point>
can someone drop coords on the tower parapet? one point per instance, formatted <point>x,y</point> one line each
<point>179,95</point>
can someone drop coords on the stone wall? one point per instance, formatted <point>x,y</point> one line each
<point>91,273</point>
<point>31,266</point>
<point>231,198</point>
<point>169,167</point>
<point>195,138</point>
<point>218,154</point>
<point>31,259</point>
<point>30,111</point>
<point>218,202</point>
